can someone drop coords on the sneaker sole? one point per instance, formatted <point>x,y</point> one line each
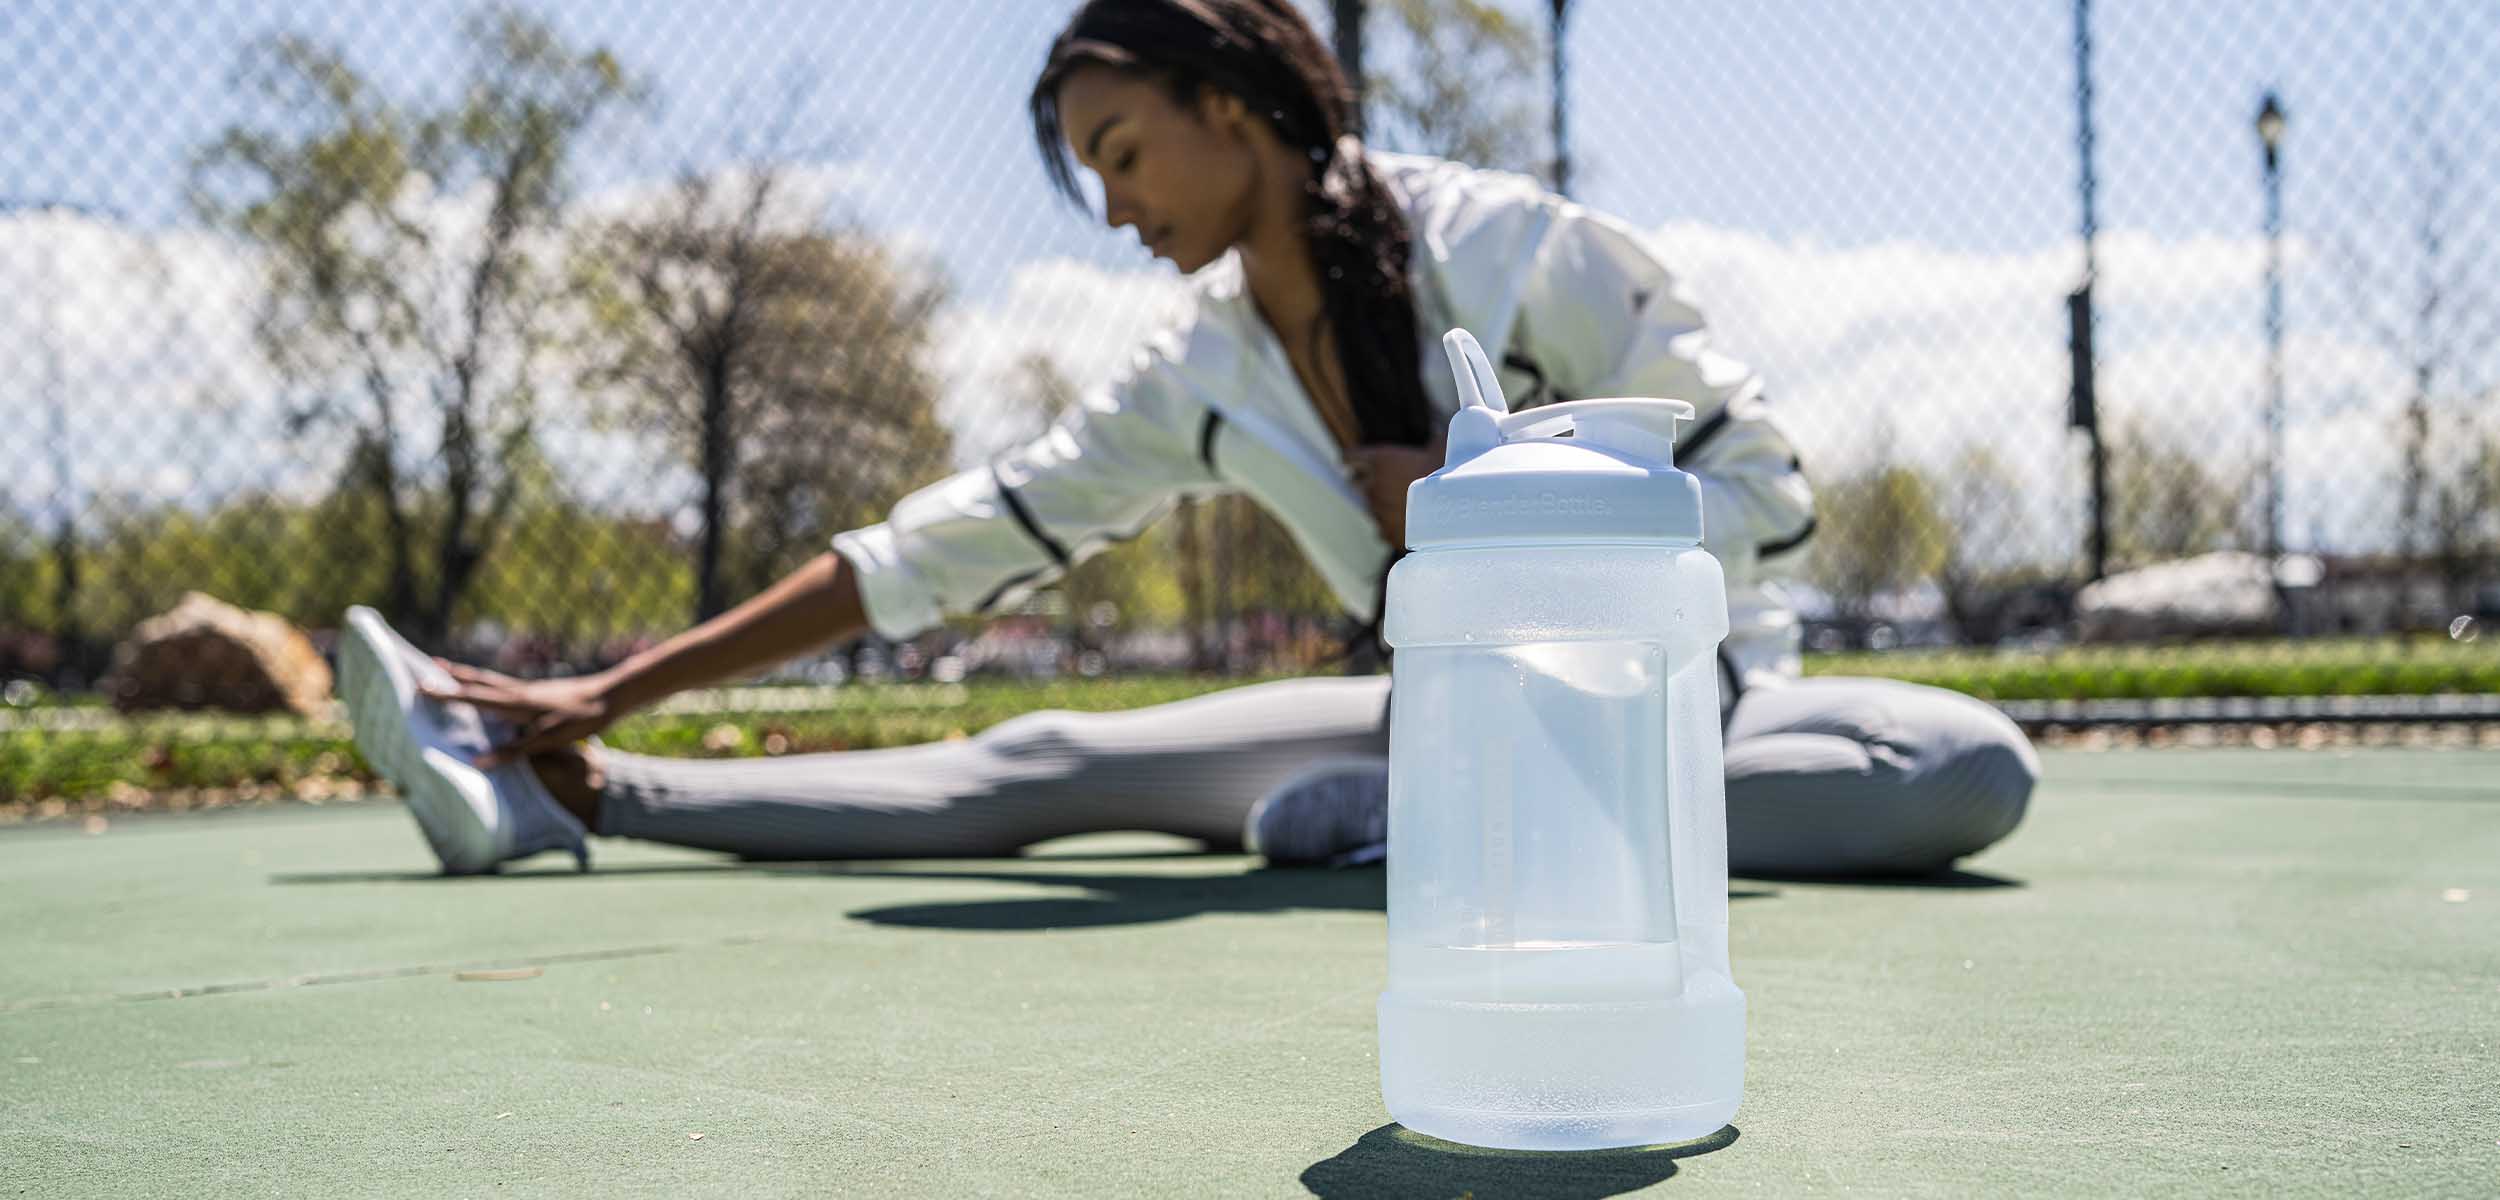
<point>369,682</point>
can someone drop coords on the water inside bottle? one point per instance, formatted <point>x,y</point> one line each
<point>1540,972</point>
<point>1554,757</point>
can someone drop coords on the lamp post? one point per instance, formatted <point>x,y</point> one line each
<point>2270,139</point>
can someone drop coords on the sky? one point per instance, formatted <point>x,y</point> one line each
<point>1876,203</point>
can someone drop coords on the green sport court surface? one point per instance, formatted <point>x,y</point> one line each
<point>2189,972</point>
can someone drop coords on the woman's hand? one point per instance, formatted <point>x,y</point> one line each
<point>1382,473</point>
<point>546,714</point>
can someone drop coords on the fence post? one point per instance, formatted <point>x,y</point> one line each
<point>2084,406</point>
<point>1561,104</point>
<point>1348,15</point>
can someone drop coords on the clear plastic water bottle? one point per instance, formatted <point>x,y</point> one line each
<point>1558,965</point>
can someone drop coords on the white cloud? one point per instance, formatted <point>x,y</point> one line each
<point>146,336</point>
<point>805,195</point>
<point>1928,351</point>
<point>1086,319</point>
<point>122,333</point>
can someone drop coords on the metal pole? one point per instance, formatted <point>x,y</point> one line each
<point>2274,328</point>
<point>2085,407</point>
<point>1562,135</point>
<point>1348,15</point>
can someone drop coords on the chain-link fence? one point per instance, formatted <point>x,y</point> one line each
<point>550,328</point>
<point>1884,208</point>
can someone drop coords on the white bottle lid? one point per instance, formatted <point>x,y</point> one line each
<point>1595,470</point>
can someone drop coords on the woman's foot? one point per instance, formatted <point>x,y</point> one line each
<point>475,820</point>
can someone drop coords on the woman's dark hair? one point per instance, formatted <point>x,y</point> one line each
<point>1264,53</point>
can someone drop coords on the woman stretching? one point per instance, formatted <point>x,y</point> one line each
<point>1323,273</point>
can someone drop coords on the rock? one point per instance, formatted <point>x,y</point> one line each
<point>206,653</point>
<point>2224,593</point>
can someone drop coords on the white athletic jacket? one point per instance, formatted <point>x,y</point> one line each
<point>1581,308</point>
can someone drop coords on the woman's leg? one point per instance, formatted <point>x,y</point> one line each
<point>1869,776</point>
<point>1191,768</point>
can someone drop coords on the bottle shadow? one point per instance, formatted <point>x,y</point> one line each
<point>1104,899</point>
<point>1394,1161</point>
<point>1123,899</point>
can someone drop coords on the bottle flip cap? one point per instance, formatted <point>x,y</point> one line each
<point>1601,469</point>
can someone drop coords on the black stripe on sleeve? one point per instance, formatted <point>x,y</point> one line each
<point>1540,392</point>
<point>1024,517</point>
<point>990,601</point>
<point>1526,366</point>
<point>1024,577</point>
<point>1206,438</point>
<point>1690,444</point>
<point>1786,544</point>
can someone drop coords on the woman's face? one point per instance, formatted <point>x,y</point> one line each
<point>1183,176</point>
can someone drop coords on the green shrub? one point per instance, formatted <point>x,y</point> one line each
<point>2341,666</point>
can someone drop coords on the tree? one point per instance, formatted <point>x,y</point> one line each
<point>2167,501</point>
<point>614,580</point>
<point>27,599</point>
<point>412,277</point>
<point>1039,395</point>
<point>1976,500</point>
<point>1459,81</point>
<point>2468,509</point>
<point>785,362</point>
<point>2425,300</point>
<point>1878,532</point>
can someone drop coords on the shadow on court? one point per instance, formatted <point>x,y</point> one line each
<point>550,867</point>
<point>1080,899</point>
<point>1394,1161</point>
<point>1107,898</point>
<point>1083,899</point>
<point>1948,879</point>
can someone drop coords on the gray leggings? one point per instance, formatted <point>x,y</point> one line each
<point>1824,776</point>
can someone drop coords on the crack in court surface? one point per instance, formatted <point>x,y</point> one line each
<point>368,975</point>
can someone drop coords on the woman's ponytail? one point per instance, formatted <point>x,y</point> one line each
<point>1360,246</point>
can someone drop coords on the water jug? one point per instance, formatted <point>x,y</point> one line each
<point>1558,961</point>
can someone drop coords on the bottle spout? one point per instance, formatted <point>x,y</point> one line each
<point>1478,387</point>
<point>1478,425</point>
<point>1642,428</point>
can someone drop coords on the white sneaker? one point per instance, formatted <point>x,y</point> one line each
<point>475,820</point>
<point>1335,813</point>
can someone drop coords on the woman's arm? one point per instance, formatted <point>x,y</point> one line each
<point>972,544</point>
<point>816,604</point>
